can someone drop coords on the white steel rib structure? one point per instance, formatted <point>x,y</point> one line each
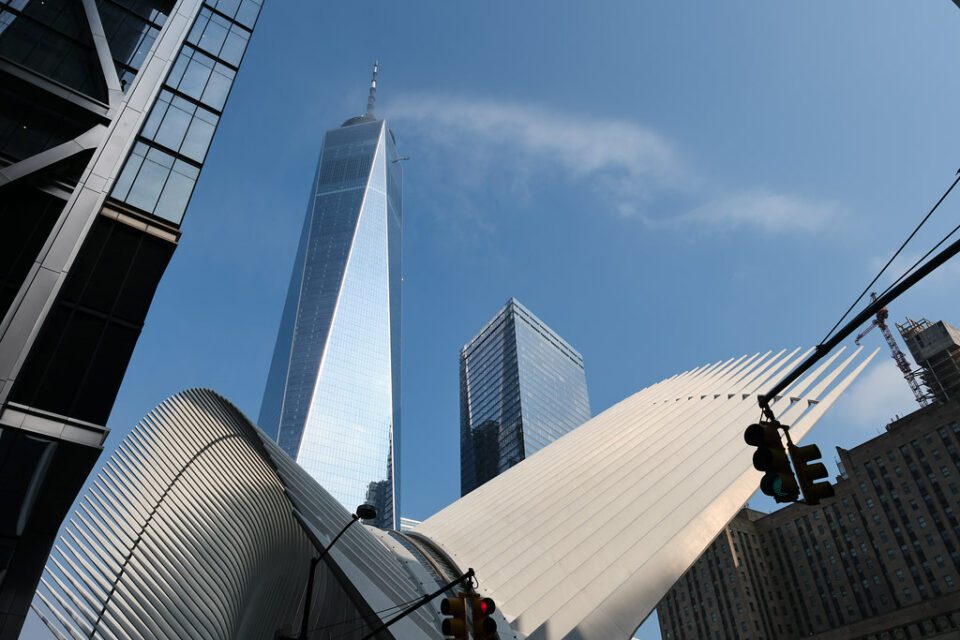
<point>190,529</point>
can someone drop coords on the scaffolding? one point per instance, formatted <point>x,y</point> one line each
<point>935,347</point>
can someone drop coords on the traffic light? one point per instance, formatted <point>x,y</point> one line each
<point>813,492</point>
<point>770,457</point>
<point>484,627</point>
<point>454,624</point>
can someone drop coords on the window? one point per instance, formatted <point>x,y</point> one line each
<point>218,36</point>
<point>156,182</point>
<point>181,126</point>
<point>201,77</point>
<point>243,11</point>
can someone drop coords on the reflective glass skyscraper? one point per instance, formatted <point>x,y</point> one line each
<point>333,392</point>
<point>521,387</point>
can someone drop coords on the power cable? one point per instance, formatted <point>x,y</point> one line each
<point>921,259</point>
<point>361,618</point>
<point>894,257</point>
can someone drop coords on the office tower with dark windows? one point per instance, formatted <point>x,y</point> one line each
<point>880,560</point>
<point>107,109</point>
<point>522,386</point>
<point>333,392</point>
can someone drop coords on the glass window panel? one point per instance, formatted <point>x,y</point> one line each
<point>198,137</point>
<point>122,186</point>
<point>174,126</point>
<point>54,43</point>
<point>247,15</point>
<point>130,36</point>
<point>196,74</point>
<point>226,7</point>
<point>156,115</point>
<point>150,180</point>
<point>217,89</point>
<point>234,46</point>
<point>209,32</point>
<point>179,67</point>
<point>176,192</point>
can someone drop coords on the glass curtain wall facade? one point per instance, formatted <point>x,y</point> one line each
<point>521,387</point>
<point>333,392</point>
<point>107,109</point>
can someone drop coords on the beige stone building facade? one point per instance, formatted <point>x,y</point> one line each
<point>880,560</point>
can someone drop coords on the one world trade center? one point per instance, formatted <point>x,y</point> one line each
<point>332,399</point>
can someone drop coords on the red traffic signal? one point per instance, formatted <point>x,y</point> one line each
<point>484,627</point>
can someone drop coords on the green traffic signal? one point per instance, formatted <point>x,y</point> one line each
<point>771,458</point>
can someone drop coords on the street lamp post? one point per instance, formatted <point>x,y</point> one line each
<point>364,512</point>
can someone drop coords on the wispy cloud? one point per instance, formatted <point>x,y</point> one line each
<point>767,211</point>
<point>623,161</point>
<point>510,146</point>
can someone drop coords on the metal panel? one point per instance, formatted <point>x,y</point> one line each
<point>188,532</point>
<point>583,539</point>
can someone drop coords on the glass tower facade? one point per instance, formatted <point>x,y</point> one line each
<point>521,387</point>
<point>333,392</point>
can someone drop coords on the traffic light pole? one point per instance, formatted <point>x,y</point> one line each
<point>424,600</point>
<point>827,346</point>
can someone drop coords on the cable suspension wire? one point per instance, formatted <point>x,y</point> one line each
<point>916,273</point>
<point>921,259</point>
<point>362,618</point>
<point>894,257</point>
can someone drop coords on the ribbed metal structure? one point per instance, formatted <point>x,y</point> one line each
<point>188,532</point>
<point>582,539</point>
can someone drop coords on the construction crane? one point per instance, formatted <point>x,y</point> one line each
<point>880,320</point>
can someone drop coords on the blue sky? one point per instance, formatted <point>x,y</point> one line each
<point>664,184</point>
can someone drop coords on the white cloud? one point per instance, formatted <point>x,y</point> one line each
<point>767,211</point>
<point>877,397</point>
<point>508,148</point>
<point>623,161</point>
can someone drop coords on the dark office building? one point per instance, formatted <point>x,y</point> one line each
<point>107,109</point>
<point>879,561</point>
<point>521,387</point>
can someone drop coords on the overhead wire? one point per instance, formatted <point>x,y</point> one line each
<point>310,632</point>
<point>894,257</point>
<point>921,259</point>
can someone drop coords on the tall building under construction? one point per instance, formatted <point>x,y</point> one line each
<point>935,346</point>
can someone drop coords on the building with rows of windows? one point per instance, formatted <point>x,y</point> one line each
<point>107,110</point>
<point>522,386</point>
<point>880,560</point>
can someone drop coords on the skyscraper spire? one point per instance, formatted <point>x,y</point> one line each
<point>373,90</point>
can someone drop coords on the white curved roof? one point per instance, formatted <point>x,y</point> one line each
<point>582,539</point>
